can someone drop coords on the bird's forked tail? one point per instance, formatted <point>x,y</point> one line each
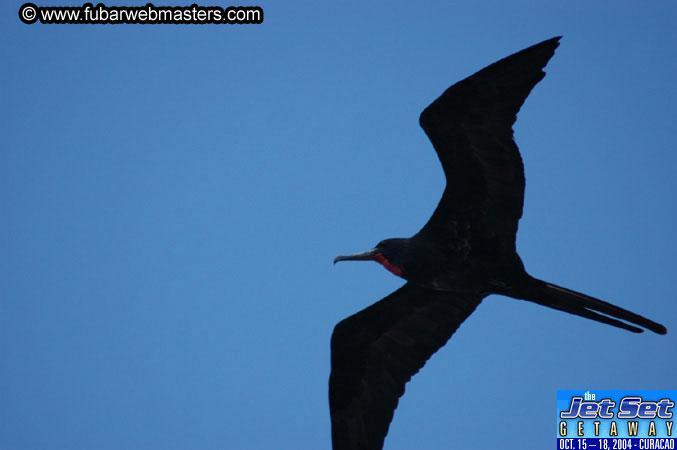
<point>563,299</point>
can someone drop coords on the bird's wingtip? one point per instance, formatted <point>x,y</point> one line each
<point>554,41</point>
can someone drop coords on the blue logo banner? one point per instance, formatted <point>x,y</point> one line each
<point>615,419</point>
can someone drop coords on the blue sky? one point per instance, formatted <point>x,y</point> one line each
<point>172,198</point>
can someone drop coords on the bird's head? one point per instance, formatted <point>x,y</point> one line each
<point>389,253</point>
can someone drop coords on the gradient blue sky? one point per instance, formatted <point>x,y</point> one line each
<point>172,198</point>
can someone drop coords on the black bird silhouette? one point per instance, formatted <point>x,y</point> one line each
<point>465,252</point>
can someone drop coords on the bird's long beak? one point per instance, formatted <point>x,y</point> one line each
<point>364,256</point>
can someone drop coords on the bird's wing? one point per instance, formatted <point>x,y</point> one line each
<point>470,126</point>
<point>376,351</point>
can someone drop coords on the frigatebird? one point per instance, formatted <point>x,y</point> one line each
<point>464,253</point>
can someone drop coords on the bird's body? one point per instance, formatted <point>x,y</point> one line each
<point>465,252</point>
